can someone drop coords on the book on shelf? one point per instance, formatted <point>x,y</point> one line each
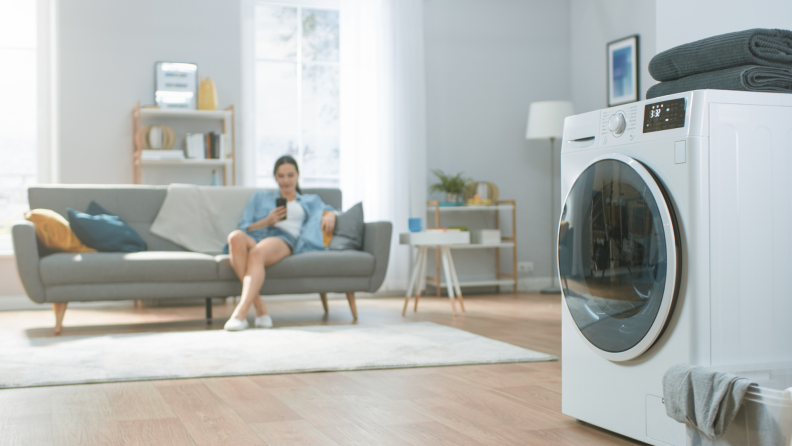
<point>162,154</point>
<point>206,145</point>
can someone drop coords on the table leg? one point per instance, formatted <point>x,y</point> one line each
<point>413,277</point>
<point>449,280</point>
<point>457,287</point>
<point>421,276</point>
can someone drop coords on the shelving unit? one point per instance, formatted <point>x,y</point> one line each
<point>501,278</point>
<point>227,118</point>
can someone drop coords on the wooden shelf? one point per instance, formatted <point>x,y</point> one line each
<point>187,161</point>
<point>482,245</point>
<point>498,207</point>
<point>494,282</point>
<point>174,113</point>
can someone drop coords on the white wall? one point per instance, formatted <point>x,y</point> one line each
<point>107,51</point>
<point>684,21</point>
<point>594,23</point>
<point>486,61</point>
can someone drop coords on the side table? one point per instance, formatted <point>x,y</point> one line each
<point>441,241</point>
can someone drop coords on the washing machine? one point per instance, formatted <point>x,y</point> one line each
<point>674,246</point>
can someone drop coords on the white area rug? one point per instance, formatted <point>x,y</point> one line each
<point>147,356</point>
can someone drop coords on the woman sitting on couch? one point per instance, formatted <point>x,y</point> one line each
<point>267,233</point>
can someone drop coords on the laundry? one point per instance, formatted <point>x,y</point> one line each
<point>743,78</point>
<point>763,47</point>
<point>703,398</point>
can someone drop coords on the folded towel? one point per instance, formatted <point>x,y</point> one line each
<point>765,47</point>
<point>703,398</point>
<point>745,78</point>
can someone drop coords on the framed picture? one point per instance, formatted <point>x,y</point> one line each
<point>623,71</point>
<point>176,85</point>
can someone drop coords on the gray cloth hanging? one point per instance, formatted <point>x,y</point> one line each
<point>764,47</point>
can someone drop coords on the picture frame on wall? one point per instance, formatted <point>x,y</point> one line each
<point>623,62</point>
<point>176,85</point>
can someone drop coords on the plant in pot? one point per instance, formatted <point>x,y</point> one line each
<point>453,186</point>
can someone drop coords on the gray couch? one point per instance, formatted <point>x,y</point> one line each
<point>167,270</point>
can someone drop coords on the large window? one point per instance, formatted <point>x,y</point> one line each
<point>18,154</point>
<point>297,101</point>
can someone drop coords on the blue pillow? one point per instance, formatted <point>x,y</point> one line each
<point>104,232</point>
<point>95,209</point>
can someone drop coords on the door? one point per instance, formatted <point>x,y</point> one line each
<point>618,257</point>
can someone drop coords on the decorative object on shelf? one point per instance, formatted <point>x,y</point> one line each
<point>623,71</point>
<point>156,137</point>
<point>215,178</point>
<point>207,94</point>
<point>458,228</point>
<point>481,193</point>
<point>485,236</point>
<point>546,121</point>
<point>452,186</point>
<point>176,85</point>
<point>415,224</point>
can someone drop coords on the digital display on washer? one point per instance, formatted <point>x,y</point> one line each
<point>664,115</point>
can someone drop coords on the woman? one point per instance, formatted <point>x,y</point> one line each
<point>267,234</point>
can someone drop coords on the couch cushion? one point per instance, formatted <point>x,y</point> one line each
<point>118,267</point>
<point>311,264</point>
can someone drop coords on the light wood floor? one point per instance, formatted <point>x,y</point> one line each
<point>507,404</point>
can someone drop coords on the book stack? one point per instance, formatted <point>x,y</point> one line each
<point>162,154</point>
<point>206,145</point>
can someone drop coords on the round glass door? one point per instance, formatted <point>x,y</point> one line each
<point>618,257</point>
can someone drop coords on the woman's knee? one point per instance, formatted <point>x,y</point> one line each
<point>237,238</point>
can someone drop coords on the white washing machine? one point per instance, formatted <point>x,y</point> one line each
<point>674,246</point>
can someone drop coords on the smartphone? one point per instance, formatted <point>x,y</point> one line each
<point>280,202</point>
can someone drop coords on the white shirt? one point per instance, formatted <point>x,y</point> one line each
<point>295,214</point>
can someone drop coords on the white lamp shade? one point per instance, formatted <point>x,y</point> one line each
<point>546,119</point>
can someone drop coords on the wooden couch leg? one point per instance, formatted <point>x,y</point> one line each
<point>352,306</point>
<point>324,302</point>
<point>60,310</point>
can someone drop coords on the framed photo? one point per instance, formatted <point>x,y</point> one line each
<point>176,85</point>
<point>623,71</point>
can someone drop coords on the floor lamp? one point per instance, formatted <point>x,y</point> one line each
<point>546,120</point>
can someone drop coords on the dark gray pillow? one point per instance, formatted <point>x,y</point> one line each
<point>348,233</point>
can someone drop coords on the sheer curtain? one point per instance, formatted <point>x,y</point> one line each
<point>383,117</point>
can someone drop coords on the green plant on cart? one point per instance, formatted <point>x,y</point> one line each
<point>449,184</point>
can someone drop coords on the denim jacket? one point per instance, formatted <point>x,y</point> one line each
<point>262,202</point>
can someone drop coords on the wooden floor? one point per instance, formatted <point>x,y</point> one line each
<point>507,404</point>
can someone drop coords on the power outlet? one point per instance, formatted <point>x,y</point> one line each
<point>525,267</point>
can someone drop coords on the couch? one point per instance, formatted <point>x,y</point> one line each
<point>166,270</point>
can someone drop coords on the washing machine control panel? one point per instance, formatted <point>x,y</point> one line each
<point>619,124</point>
<point>664,115</point>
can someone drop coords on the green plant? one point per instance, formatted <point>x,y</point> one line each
<point>449,184</point>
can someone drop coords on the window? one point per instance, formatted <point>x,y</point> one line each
<point>18,114</point>
<point>296,84</point>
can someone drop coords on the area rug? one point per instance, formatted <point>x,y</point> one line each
<point>193,354</point>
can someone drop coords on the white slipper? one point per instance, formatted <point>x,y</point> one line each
<point>263,321</point>
<point>235,324</point>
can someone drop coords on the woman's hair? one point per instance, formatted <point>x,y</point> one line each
<point>287,159</point>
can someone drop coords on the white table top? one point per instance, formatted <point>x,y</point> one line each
<point>434,238</point>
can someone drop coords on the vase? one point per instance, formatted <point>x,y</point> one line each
<point>452,198</point>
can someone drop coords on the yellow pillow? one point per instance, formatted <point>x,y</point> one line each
<point>326,238</point>
<point>54,231</point>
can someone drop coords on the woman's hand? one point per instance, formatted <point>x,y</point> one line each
<point>328,223</point>
<point>277,214</point>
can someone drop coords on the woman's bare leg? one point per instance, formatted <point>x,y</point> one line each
<point>266,252</point>
<point>239,246</point>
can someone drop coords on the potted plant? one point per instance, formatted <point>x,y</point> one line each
<point>452,186</point>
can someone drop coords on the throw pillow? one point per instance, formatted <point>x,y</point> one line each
<point>95,209</point>
<point>325,237</point>
<point>104,232</point>
<point>54,233</point>
<point>349,227</point>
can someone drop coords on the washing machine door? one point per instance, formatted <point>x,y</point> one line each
<point>618,257</point>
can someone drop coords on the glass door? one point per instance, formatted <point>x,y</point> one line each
<point>618,257</point>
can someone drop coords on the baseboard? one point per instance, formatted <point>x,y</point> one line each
<point>533,283</point>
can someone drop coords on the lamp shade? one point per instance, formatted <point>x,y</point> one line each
<point>546,119</point>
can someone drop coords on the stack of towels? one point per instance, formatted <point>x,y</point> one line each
<point>751,60</point>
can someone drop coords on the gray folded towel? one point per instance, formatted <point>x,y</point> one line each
<point>745,78</point>
<point>764,47</point>
<point>703,398</point>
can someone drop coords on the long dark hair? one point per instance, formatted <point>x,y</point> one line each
<point>287,159</point>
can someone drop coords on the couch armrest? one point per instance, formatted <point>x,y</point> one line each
<point>377,242</point>
<point>26,253</point>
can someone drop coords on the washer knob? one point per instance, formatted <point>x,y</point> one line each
<point>617,123</point>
